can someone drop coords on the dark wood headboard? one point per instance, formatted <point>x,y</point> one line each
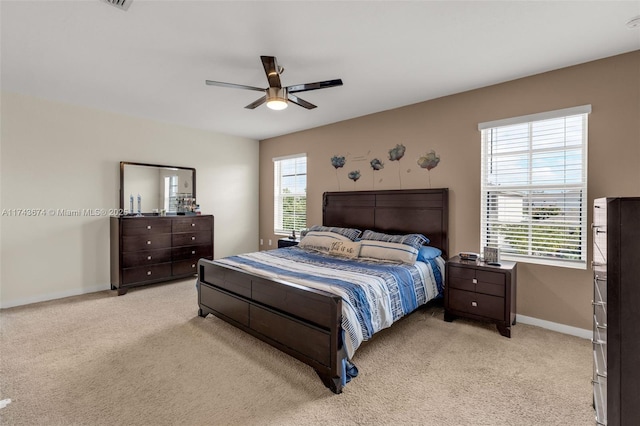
<point>403,211</point>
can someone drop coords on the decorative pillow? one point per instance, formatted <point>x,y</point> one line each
<point>350,233</point>
<point>390,252</point>
<point>321,241</point>
<point>348,249</point>
<point>414,240</point>
<point>428,252</point>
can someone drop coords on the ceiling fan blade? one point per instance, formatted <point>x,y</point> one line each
<point>296,100</point>
<point>257,103</point>
<point>233,86</point>
<point>272,70</point>
<point>314,86</point>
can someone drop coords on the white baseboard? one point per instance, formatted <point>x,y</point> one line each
<point>554,326</point>
<point>53,296</point>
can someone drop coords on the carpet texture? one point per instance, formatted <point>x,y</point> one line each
<point>146,358</point>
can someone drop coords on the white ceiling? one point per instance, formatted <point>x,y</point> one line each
<point>152,60</point>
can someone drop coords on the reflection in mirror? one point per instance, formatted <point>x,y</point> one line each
<point>151,188</point>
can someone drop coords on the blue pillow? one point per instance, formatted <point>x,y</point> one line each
<point>428,252</point>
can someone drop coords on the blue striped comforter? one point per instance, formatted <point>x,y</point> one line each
<point>374,294</point>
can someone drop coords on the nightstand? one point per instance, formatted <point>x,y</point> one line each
<point>479,291</point>
<point>287,242</point>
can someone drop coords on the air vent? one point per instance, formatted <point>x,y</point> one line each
<point>120,4</point>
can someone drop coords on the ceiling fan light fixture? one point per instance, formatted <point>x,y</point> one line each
<point>277,98</point>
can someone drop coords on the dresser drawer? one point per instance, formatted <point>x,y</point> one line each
<point>190,224</point>
<point>477,304</point>
<point>142,226</point>
<point>192,238</point>
<point>192,252</point>
<point>146,273</point>
<point>185,267</point>
<point>142,242</point>
<point>146,257</point>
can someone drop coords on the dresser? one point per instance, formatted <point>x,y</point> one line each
<point>151,249</point>
<point>616,311</point>
<point>479,291</point>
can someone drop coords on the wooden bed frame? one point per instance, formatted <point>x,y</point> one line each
<point>303,322</point>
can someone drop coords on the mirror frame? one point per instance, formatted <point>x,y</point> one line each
<point>129,163</point>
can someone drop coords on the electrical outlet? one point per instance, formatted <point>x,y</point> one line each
<point>261,241</point>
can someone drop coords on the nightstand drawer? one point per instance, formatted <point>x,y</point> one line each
<point>477,304</point>
<point>485,282</point>
<point>489,288</point>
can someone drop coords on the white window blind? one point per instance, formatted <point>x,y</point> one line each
<point>534,187</point>
<point>290,194</point>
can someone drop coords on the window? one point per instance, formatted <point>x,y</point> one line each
<point>290,194</point>
<point>534,187</point>
<point>170,192</point>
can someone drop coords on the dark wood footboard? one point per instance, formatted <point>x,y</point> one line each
<point>300,321</point>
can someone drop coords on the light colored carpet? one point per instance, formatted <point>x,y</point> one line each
<point>146,358</point>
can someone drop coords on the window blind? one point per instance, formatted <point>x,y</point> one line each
<point>534,188</point>
<point>290,194</point>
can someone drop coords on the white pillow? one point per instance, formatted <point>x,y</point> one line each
<point>348,249</point>
<point>321,241</point>
<point>387,251</point>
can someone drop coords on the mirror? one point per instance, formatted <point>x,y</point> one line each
<point>152,188</point>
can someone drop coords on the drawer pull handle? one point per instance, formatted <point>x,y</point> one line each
<point>475,304</point>
<point>193,265</point>
<point>193,252</point>
<point>148,272</point>
<point>148,257</point>
<point>475,281</point>
<point>148,242</point>
<point>193,224</point>
<point>148,226</point>
<point>193,238</point>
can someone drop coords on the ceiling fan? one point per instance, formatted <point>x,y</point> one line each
<point>277,96</point>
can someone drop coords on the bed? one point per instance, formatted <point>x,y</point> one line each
<point>293,311</point>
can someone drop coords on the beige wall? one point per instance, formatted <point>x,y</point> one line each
<point>58,156</point>
<point>449,127</point>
